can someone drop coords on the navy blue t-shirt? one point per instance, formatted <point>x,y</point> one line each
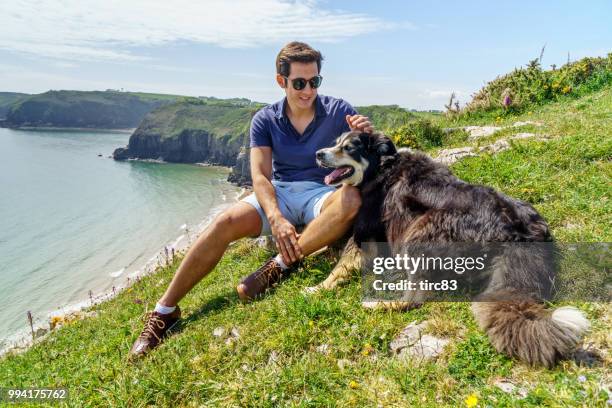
<point>293,156</point>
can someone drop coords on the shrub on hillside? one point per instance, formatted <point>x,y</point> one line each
<point>420,134</point>
<point>532,85</point>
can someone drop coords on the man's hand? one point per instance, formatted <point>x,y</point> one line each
<point>360,122</point>
<point>286,239</point>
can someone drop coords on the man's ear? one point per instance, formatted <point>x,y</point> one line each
<point>281,81</point>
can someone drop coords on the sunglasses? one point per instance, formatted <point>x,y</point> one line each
<point>300,83</point>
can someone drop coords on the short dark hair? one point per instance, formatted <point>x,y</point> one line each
<point>296,51</point>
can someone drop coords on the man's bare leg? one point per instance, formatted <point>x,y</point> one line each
<point>336,217</point>
<point>240,220</point>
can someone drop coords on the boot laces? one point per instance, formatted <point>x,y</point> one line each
<point>154,323</point>
<point>270,272</point>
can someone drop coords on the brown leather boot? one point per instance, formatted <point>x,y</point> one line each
<point>156,328</point>
<point>256,283</point>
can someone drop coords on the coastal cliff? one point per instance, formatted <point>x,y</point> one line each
<point>193,130</point>
<point>241,171</point>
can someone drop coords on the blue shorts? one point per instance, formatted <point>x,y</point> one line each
<point>299,202</point>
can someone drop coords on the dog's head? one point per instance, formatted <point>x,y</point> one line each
<point>355,157</point>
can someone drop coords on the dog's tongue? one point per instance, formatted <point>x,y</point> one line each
<point>336,174</point>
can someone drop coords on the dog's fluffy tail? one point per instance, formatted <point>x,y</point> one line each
<point>523,328</point>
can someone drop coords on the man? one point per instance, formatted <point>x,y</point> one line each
<point>288,190</point>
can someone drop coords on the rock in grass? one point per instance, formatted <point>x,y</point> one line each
<point>450,156</point>
<point>477,132</point>
<point>527,122</point>
<point>235,333</point>
<point>509,387</point>
<point>496,147</point>
<point>219,332</point>
<point>412,343</point>
<point>323,349</point>
<point>505,385</point>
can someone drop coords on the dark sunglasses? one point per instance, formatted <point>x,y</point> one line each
<point>300,83</point>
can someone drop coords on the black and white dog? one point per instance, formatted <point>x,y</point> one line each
<point>408,197</point>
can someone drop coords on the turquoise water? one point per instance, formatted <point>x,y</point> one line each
<point>71,221</point>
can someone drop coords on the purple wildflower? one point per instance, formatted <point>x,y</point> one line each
<point>507,101</point>
<point>582,378</point>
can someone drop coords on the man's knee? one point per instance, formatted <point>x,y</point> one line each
<point>229,226</point>
<point>351,201</point>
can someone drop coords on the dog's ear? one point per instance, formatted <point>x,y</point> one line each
<point>384,146</point>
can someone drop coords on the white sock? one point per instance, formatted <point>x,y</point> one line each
<point>159,308</point>
<point>279,260</point>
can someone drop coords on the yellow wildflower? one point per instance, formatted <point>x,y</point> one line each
<point>566,89</point>
<point>310,323</point>
<point>367,349</point>
<point>471,401</point>
<point>529,113</point>
<point>354,384</point>
<point>57,320</point>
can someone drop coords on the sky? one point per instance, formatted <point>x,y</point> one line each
<point>409,53</point>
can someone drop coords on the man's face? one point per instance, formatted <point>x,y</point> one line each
<point>304,98</point>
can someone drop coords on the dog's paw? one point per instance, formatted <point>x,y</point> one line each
<point>311,290</point>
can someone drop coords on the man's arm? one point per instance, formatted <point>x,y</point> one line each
<point>282,230</point>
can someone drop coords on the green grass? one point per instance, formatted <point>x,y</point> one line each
<point>275,361</point>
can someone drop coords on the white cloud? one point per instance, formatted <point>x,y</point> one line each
<point>111,30</point>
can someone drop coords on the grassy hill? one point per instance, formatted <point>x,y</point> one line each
<point>386,117</point>
<point>7,99</point>
<point>300,350</point>
<point>223,118</point>
<point>86,109</point>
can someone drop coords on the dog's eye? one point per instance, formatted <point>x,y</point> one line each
<point>347,148</point>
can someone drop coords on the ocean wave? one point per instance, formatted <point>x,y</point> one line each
<point>176,241</point>
<point>118,273</point>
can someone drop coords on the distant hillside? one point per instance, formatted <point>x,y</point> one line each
<point>192,130</point>
<point>84,109</point>
<point>7,99</point>
<point>385,117</point>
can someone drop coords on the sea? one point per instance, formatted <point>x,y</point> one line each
<point>76,225</point>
